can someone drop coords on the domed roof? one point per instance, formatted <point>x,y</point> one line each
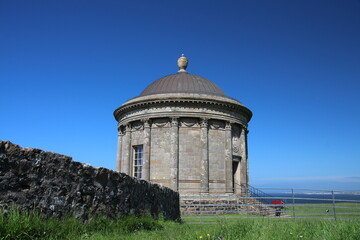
<point>183,82</point>
<point>195,93</point>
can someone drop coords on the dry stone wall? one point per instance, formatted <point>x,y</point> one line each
<point>56,186</point>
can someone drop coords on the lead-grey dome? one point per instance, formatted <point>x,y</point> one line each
<point>183,82</point>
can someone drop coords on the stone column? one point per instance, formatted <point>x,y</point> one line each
<point>119,150</point>
<point>244,158</point>
<point>126,153</point>
<point>146,156</point>
<point>174,154</point>
<point>228,158</point>
<point>204,177</point>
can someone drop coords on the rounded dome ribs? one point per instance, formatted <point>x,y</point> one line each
<point>183,82</point>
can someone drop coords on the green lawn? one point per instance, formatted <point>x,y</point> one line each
<point>257,229</point>
<point>16,225</point>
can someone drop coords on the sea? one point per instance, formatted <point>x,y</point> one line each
<point>314,197</point>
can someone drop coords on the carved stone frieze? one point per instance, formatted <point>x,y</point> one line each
<point>127,127</point>
<point>216,124</point>
<point>236,141</point>
<point>228,125</point>
<point>235,149</point>
<point>174,121</point>
<point>204,122</point>
<point>146,122</point>
<point>160,111</point>
<point>189,122</point>
<point>161,122</point>
<point>224,105</point>
<point>137,125</point>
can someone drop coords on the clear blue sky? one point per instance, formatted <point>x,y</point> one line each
<point>65,66</point>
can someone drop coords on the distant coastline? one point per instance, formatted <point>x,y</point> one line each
<point>316,197</point>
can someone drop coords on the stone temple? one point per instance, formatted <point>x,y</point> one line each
<point>185,133</point>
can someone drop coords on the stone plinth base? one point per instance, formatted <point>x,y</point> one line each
<point>213,204</point>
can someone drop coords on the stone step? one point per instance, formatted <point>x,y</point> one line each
<point>216,206</point>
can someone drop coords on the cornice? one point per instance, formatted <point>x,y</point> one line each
<point>161,115</point>
<point>130,106</point>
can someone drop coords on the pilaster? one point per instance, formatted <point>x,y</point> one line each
<point>244,159</point>
<point>228,158</point>
<point>174,154</point>
<point>126,153</point>
<point>146,156</point>
<point>204,177</point>
<point>119,150</point>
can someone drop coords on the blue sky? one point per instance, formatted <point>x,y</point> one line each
<point>65,66</point>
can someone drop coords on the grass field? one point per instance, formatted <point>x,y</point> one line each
<point>16,225</point>
<point>309,210</point>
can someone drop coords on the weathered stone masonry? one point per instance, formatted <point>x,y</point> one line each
<point>57,186</point>
<point>193,136</point>
<point>188,153</point>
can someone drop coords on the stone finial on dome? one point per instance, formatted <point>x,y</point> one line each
<point>182,63</point>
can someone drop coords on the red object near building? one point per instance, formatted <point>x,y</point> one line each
<point>277,202</point>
